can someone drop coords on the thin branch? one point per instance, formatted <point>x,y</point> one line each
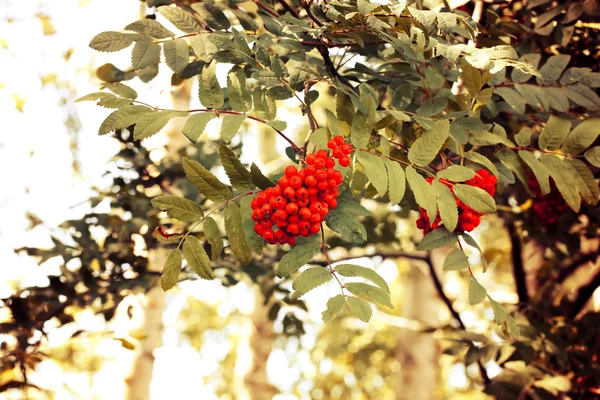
<point>267,9</point>
<point>574,265</point>
<point>289,8</point>
<point>583,296</point>
<point>306,4</point>
<point>331,270</point>
<point>330,67</point>
<point>519,274</point>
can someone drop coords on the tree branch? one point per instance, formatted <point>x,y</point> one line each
<point>574,265</point>
<point>289,8</point>
<point>517,261</point>
<point>583,296</point>
<point>330,67</point>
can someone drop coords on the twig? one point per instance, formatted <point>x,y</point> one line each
<point>267,9</point>
<point>583,296</point>
<point>517,261</point>
<point>574,265</point>
<point>289,8</point>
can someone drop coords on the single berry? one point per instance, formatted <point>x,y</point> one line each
<point>345,161</point>
<point>339,140</point>
<point>310,159</point>
<point>290,171</point>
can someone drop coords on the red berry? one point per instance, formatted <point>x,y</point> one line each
<point>322,154</point>
<point>291,240</point>
<point>303,225</point>
<point>332,183</point>
<point>281,236</point>
<point>258,215</point>
<point>312,191</point>
<point>332,204</point>
<point>320,163</point>
<point>347,149</point>
<point>280,215</point>
<point>330,163</point>
<point>291,208</point>
<point>302,174</point>
<point>290,171</point>
<point>339,140</point>
<point>331,144</point>
<point>310,181</point>
<point>315,228</point>
<point>304,213</point>
<point>345,161</point>
<point>284,182</point>
<point>267,209</point>
<point>262,198</point>
<point>289,193</point>
<point>280,202</point>
<point>310,170</point>
<point>315,218</point>
<point>322,185</point>
<point>310,159</point>
<point>268,235</point>
<point>254,204</point>
<point>293,229</point>
<point>321,175</point>
<point>302,194</point>
<point>293,219</point>
<point>337,153</point>
<point>295,182</point>
<point>259,229</point>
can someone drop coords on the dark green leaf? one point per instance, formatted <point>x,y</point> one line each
<point>259,178</point>
<point>541,173</point>
<point>213,235</point>
<point>351,270</point>
<point>171,270</point>
<point>206,183</point>
<point>347,226</point>
<point>299,255</point>
<point>235,234</point>
<point>197,258</point>
<point>563,180</point>
<point>212,15</point>
<point>436,239</point>
<point>238,175</point>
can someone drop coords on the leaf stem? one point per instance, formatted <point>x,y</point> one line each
<point>333,272</point>
<point>399,161</point>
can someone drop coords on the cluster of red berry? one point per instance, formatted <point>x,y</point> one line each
<point>550,207</point>
<point>468,219</point>
<point>340,150</point>
<point>299,202</point>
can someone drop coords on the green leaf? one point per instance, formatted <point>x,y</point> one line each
<point>299,255</point>
<point>471,76</point>
<point>534,96</point>
<point>240,98</point>
<point>113,101</point>
<point>352,207</point>
<point>593,156</point>
<point>456,261</point>
<point>334,306</point>
<point>436,239</point>
<point>144,55</point>
<point>176,54</point>
<point>195,125</point>
<point>212,15</point>
<point>203,47</point>
<point>309,280</point>
<point>150,27</point>
<point>500,314</point>
<point>238,175</point>
<point>470,241</point>
<point>485,138</point>
<point>197,258</point>
<point>584,96</point>
<point>231,125</point>
<point>553,68</point>
<point>351,270</point>
<point>519,76</point>
<point>582,137</point>
<point>255,242</point>
<point>211,94</point>
<point>181,19</point>
<point>426,148</point>
<point>476,198</point>
<point>120,90</point>
<point>482,160</point>
<point>510,159</point>
<point>541,173</point>
<point>278,66</point>
<point>563,180</point>
<point>423,192</point>
<point>320,137</point>
<point>182,209</point>
<point>447,204</point>
<point>235,234</point>
<point>171,270</point>
<point>151,123</point>
<point>397,181</point>
<point>360,308</point>
<point>375,171</point>
<point>259,178</point>
<point>584,178</point>
<point>554,133</point>
<point>206,183</point>
<point>477,293</point>
<point>558,98</point>
<point>94,97</point>
<point>122,118</point>
<point>346,225</point>
<point>523,138</point>
<point>361,130</point>
<point>433,106</point>
<point>213,235</point>
<point>456,173</point>
<point>512,98</point>
<point>110,41</point>
<point>371,292</point>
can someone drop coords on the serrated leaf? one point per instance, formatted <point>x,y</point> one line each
<point>477,293</point>
<point>240,98</point>
<point>320,137</point>
<point>203,47</point>
<point>255,242</point>
<point>334,306</point>
<point>347,226</point>
<point>211,94</point>
<point>485,138</point>
<point>591,80</point>
<point>309,280</point>
<point>113,102</point>
<point>512,98</point>
<point>554,133</point>
<point>471,76</point>
<point>361,130</point>
<point>511,163</point>
<point>176,54</point>
<point>122,118</point>
<point>150,123</point>
<point>562,179</point>
<point>500,314</point>
<point>150,27</point>
<point>482,160</point>
<point>424,17</point>
<point>423,192</point>
<point>352,207</point>
<point>433,106</point>
<point>371,292</point>
<point>120,90</point>
<point>94,97</point>
<point>181,19</point>
<point>195,125</point>
<point>584,96</point>
<point>476,198</point>
<point>110,41</point>
<point>375,171</point>
<point>426,148</point>
<point>238,175</point>
<point>582,137</point>
<point>396,179</point>
<point>171,270</point>
<point>197,258</point>
<point>436,239</point>
<point>456,173</point>
<point>584,178</point>
<point>144,55</point>
<point>212,15</point>
<point>593,156</point>
<point>351,270</point>
<point>456,260</point>
<point>541,173</point>
<point>231,125</point>
<point>534,96</point>
<point>553,68</point>
<point>213,236</point>
<point>519,76</point>
<point>447,205</point>
<point>259,178</point>
<point>206,183</point>
<point>360,308</point>
<point>299,255</point>
<point>176,207</point>
<point>523,138</point>
<point>235,234</point>
<point>558,98</point>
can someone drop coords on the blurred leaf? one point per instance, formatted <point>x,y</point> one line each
<point>477,293</point>
<point>213,235</point>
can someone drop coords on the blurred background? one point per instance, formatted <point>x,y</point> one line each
<point>78,257</point>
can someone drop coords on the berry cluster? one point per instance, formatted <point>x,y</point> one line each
<point>340,150</point>
<point>468,219</point>
<point>299,202</point>
<point>547,209</point>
